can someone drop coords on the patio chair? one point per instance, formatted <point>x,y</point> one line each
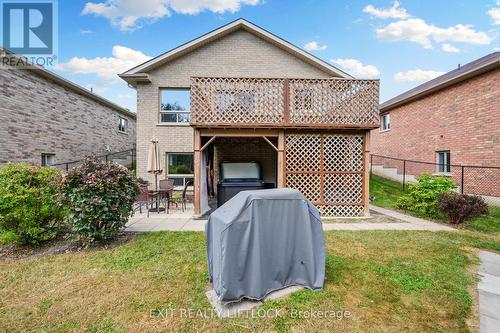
<point>184,194</point>
<point>144,199</point>
<point>166,186</point>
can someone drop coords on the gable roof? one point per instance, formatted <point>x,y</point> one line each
<point>139,73</point>
<point>472,69</point>
<point>41,71</point>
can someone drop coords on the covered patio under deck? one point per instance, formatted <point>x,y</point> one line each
<point>315,132</point>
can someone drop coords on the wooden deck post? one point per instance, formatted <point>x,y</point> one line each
<point>197,170</point>
<point>281,160</point>
<point>366,174</point>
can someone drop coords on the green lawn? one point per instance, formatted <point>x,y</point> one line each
<point>386,193</point>
<point>396,281</point>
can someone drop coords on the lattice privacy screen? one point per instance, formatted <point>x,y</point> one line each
<point>328,170</point>
<point>284,102</point>
<point>331,101</point>
<point>237,101</point>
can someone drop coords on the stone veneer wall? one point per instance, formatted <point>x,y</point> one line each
<point>38,115</point>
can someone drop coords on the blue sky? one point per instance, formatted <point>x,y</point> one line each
<point>403,43</point>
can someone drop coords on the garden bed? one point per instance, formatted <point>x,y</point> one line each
<point>61,245</point>
<point>386,192</point>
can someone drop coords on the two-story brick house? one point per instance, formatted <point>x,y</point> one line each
<point>240,93</point>
<point>451,120</point>
<point>46,119</point>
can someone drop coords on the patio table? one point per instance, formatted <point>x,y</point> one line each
<point>157,195</point>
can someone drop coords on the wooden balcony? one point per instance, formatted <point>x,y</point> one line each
<point>284,103</point>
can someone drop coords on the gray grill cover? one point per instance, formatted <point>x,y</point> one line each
<point>264,240</point>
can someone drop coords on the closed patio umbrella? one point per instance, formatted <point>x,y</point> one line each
<point>154,163</point>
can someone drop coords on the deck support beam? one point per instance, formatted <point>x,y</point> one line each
<point>366,171</point>
<point>281,160</point>
<point>197,171</point>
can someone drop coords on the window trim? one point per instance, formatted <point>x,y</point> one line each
<point>447,162</point>
<point>387,116</point>
<point>177,113</point>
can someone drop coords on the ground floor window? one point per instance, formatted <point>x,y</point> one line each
<point>180,167</point>
<point>48,159</point>
<point>443,161</point>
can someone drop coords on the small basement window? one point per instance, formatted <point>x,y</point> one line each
<point>385,122</point>
<point>122,125</point>
<point>443,161</point>
<point>175,105</point>
<point>48,159</point>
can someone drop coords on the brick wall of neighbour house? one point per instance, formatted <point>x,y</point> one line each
<point>463,118</point>
<point>38,115</point>
<point>252,149</point>
<point>239,54</point>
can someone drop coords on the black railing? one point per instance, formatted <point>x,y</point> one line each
<point>125,157</point>
<point>470,179</point>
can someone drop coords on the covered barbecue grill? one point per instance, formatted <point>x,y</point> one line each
<point>236,177</point>
<point>265,240</point>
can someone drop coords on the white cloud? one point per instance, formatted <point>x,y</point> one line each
<point>416,75</point>
<point>357,68</point>
<point>449,48</point>
<point>384,13</point>
<point>106,68</point>
<point>86,31</point>
<point>495,14</point>
<point>129,14</point>
<point>418,31</point>
<point>127,96</point>
<point>314,46</point>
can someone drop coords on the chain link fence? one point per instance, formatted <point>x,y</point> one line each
<point>470,179</point>
<point>126,158</point>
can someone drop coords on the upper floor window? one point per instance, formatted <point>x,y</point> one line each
<point>385,122</point>
<point>175,105</point>
<point>443,161</point>
<point>48,159</point>
<point>122,125</point>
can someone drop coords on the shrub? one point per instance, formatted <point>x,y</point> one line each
<point>422,196</point>
<point>28,202</point>
<point>99,196</point>
<point>460,207</point>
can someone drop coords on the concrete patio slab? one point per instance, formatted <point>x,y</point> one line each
<point>184,221</point>
<point>238,308</point>
<point>489,292</point>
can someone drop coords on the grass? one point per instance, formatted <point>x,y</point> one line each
<point>387,192</point>
<point>386,281</point>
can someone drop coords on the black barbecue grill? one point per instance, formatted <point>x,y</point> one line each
<point>237,177</point>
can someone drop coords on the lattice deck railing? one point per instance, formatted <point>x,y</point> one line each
<point>286,103</point>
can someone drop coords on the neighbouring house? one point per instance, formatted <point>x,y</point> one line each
<point>451,120</point>
<point>241,94</point>
<point>46,119</point>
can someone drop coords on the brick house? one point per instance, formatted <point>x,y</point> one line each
<point>241,94</point>
<point>46,119</point>
<point>453,119</point>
